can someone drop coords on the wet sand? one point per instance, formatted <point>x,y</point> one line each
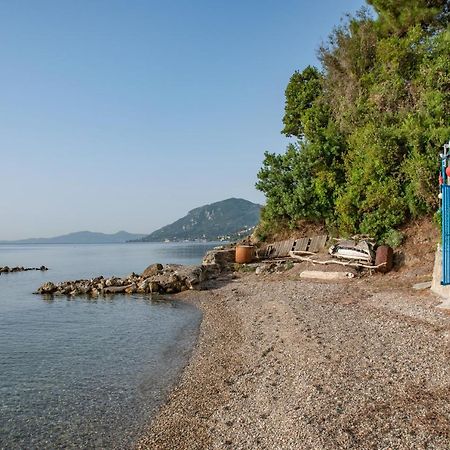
<point>287,364</point>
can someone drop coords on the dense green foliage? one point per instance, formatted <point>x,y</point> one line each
<point>369,124</point>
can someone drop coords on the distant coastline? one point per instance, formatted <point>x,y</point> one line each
<point>196,241</point>
<point>228,220</point>
<point>81,237</point>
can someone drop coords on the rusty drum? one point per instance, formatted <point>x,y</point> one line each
<point>385,254</point>
<point>245,254</point>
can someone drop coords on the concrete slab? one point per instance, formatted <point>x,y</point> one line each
<point>444,305</point>
<point>422,286</point>
<point>436,286</point>
<point>319,275</point>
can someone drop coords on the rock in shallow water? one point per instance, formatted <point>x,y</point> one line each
<point>47,288</point>
<point>169,279</point>
<point>7,269</point>
<point>152,270</point>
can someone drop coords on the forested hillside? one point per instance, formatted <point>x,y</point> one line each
<point>369,123</point>
<point>228,219</point>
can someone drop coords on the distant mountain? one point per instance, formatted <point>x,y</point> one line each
<point>82,237</point>
<point>228,219</point>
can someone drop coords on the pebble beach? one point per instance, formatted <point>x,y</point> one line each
<point>284,363</point>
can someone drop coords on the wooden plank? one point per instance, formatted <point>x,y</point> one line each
<point>285,248</point>
<point>275,250</point>
<point>268,251</point>
<point>288,246</point>
<point>301,244</point>
<point>281,248</point>
<point>278,249</point>
<point>317,243</point>
<point>323,241</point>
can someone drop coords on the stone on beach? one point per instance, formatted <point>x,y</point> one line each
<point>152,270</point>
<point>220,257</point>
<point>156,278</point>
<point>422,286</point>
<point>289,364</point>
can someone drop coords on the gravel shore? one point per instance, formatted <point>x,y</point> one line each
<point>289,364</point>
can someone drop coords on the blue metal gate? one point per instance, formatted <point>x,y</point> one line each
<point>444,180</point>
<point>445,234</point>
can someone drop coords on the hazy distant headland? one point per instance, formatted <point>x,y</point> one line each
<point>82,237</point>
<point>228,219</point>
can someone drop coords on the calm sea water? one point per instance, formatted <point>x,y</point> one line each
<point>84,373</point>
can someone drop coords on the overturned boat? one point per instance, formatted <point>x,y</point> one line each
<point>354,251</point>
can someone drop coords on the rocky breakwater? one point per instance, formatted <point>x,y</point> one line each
<point>6,269</point>
<point>156,279</point>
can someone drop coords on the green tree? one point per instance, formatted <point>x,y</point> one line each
<point>301,92</point>
<point>369,124</point>
<point>398,16</point>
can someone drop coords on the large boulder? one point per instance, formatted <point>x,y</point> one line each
<point>223,258</point>
<point>115,289</point>
<point>47,288</point>
<point>131,289</point>
<point>152,270</point>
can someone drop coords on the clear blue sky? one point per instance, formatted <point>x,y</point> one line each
<point>127,114</point>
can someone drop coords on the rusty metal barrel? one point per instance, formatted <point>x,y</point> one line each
<point>245,254</point>
<point>385,255</point>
